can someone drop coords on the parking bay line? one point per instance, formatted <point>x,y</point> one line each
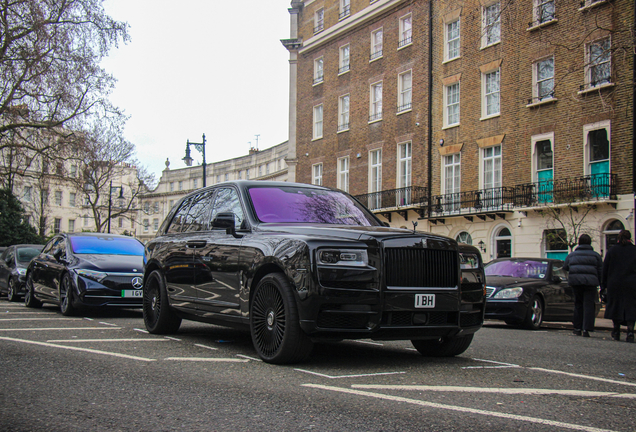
<point>93,351</point>
<point>509,391</point>
<point>60,328</point>
<point>348,376</point>
<point>106,340</point>
<point>207,359</point>
<point>535,420</point>
<point>41,319</point>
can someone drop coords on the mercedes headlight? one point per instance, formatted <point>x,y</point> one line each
<point>509,293</point>
<point>21,271</point>
<point>343,257</point>
<point>92,274</point>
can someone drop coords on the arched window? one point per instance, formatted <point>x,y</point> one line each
<point>611,233</point>
<point>464,237</point>
<point>503,243</point>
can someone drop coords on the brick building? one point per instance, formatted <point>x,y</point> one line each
<point>514,132</point>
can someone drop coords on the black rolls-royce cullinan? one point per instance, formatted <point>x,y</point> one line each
<point>86,269</point>
<point>294,263</point>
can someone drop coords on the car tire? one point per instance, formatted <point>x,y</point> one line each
<point>534,316</point>
<point>66,296</point>
<point>29,296</point>
<point>159,318</point>
<point>274,322</point>
<point>443,347</point>
<point>12,295</point>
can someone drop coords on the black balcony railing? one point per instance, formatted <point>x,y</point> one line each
<point>375,117</point>
<point>402,197</point>
<point>404,42</point>
<point>345,12</point>
<point>343,69</point>
<point>375,55</point>
<point>595,187</point>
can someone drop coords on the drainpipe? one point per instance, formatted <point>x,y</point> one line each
<point>430,106</point>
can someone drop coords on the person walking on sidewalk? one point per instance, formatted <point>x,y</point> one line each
<point>619,283</point>
<point>584,267</point>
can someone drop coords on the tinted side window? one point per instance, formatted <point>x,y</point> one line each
<point>8,256</point>
<point>49,246</point>
<point>557,270</point>
<point>227,201</point>
<point>197,218</point>
<point>177,221</point>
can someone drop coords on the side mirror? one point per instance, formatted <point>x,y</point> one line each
<point>224,220</point>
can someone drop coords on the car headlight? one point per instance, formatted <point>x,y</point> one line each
<point>21,271</point>
<point>92,274</point>
<point>343,257</point>
<point>509,293</point>
<point>468,260</point>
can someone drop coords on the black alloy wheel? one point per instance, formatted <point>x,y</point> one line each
<point>29,296</point>
<point>66,296</point>
<point>274,322</point>
<point>443,347</point>
<point>12,294</point>
<point>534,317</point>
<point>159,318</point>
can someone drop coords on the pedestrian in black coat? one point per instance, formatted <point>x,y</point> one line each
<point>619,283</point>
<point>584,267</point>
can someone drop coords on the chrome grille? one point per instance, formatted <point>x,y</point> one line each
<point>421,268</point>
<point>489,291</point>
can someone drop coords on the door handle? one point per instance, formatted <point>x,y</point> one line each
<point>196,243</point>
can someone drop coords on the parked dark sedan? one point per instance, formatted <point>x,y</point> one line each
<point>295,263</point>
<point>13,264</point>
<point>528,291</point>
<point>86,269</point>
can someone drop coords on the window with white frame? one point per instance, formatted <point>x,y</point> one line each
<point>316,176</point>
<point>543,11</point>
<point>451,105</point>
<point>73,171</point>
<point>375,179</point>
<point>491,162</point>
<point>72,198</point>
<point>196,183</point>
<point>344,64</point>
<point>404,173</point>
<point>599,63</point>
<point>376,45</point>
<point>120,222</point>
<point>406,31</point>
<point>226,176</point>
<point>171,186</point>
<point>318,70</point>
<point>27,193</point>
<point>491,94</point>
<point>71,225</point>
<point>452,40</point>
<point>343,113</point>
<point>319,20</point>
<point>343,173</point>
<point>464,237</point>
<point>405,83</point>
<point>58,198</point>
<point>345,9</point>
<point>57,225</point>
<point>85,220</point>
<point>146,224</point>
<point>452,181</point>
<point>543,75</point>
<point>318,122</point>
<point>181,185</point>
<point>590,3</point>
<point>155,224</point>
<point>375,106</point>
<point>597,148</point>
<point>491,31</point>
<point>247,174</point>
<point>260,170</point>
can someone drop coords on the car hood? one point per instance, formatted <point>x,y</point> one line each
<point>110,263</point>
<point>352,232</point>
<point>500,282</point>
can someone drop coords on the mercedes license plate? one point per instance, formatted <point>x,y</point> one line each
<point>424,300</point>
<point>132,293</point>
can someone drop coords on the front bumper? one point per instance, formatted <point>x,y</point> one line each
<point>94,294</point>
<point>508,310</point>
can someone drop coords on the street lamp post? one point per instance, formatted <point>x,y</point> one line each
<point>201,148</point>
<point>120,198</point>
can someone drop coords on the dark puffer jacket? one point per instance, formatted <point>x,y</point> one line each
<point>585,266</point>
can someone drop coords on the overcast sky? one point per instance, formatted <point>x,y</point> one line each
<point>201,66</point>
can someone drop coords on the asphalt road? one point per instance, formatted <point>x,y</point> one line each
<point>103,372</point>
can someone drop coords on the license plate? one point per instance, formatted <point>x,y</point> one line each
<point>424,300</point>
<point>132,293</point>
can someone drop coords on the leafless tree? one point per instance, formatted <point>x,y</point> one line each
<point>566,223</point>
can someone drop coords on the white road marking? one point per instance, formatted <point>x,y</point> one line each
<point>141,330</point>
<point>535,420</point>
<point>40,319</point>
<point>172,338</point>
<point>206,347</point>
<point>489,367</point>
<point>108,324</point>
<point>496,362</point>
<point>207,359</point>
<point>249,358</point>
<point>509,391</point>
<point>348,376</point>
<point>368,342</point>
<point>107,340</point>
<point>46,344</point>
<point>62,328</point>
<point>583,376</point>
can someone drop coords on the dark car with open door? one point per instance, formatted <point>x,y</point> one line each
<point>77,270</point>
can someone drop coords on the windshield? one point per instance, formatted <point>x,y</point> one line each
<point>106,245</point>
<point>297,205</point>
<point>519,269</point>
<point>26,254</point>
